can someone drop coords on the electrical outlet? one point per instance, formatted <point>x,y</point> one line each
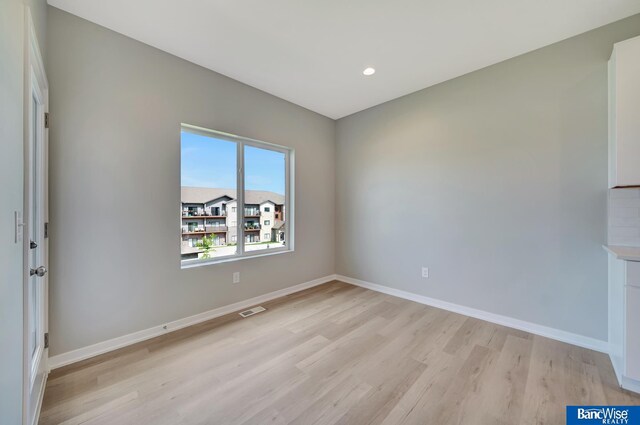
<point>425,272</point>
<point>236,277</point>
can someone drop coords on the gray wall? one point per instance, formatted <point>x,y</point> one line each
<point>116,109</point>
<point>12,33</point>
<point>496,181</point>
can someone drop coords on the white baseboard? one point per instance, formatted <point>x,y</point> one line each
<point>630,384</point>
<point>626,383</point>
<point>125,340</point>
<point>617,369</point>
<point>557,334</point>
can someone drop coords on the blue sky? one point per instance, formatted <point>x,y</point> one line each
<point>211,162</point>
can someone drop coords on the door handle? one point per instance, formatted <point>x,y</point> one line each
<point>40,271</point>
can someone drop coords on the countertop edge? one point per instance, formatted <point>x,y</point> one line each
<point>626,253</point>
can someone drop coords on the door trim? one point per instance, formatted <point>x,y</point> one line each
<point>33,69</point>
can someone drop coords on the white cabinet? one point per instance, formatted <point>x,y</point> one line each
<point>624,114</point>
<point>624,321</point>
<point>632,333</point>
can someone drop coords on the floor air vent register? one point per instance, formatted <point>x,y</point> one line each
<point>251,312</point>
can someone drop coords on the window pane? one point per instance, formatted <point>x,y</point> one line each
<point>208,195</point>
<point>264,198</point>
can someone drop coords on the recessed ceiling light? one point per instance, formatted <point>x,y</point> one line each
<point>369,71</point>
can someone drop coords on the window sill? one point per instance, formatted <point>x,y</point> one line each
<point>211,261</point>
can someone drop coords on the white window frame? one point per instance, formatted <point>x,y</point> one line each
<point>289,202</point>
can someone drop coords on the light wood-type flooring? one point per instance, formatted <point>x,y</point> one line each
<point>335,354</point>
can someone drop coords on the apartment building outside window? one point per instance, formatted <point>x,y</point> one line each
<point>220,222</point>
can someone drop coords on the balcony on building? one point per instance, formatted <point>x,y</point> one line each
<point>216,229</point>
<point>192,229</point>
<point>204,213</point>
<point>204,229</point>
<point>250,227</point>
<point>252,212</point>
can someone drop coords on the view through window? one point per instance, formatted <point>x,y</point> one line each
<point>217,220</point>
<point>264,198</point>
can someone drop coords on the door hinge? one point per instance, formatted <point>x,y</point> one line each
<point>46,120</point>
<point>46,340</point>
<point>46,229</point>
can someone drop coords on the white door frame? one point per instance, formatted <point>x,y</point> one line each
<point>35,79</point>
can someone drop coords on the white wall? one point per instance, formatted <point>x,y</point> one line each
<point>12,33</point>
<point>116,109</point>
<point>496,181</point>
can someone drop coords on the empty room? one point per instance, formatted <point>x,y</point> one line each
<point>410,212</point>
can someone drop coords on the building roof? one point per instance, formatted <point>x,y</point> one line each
<point>202,195</point>
<point>278,224</point>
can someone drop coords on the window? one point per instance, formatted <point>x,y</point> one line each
<point>238,176</point>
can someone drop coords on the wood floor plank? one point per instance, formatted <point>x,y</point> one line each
<point>500,394</point>
<point>391,379</point>
<point>333,405</point>
<point>546,393</point>
<point>103,409</point>
<point>465,386</point>
<point>419,402</point>
<point>335,354</point>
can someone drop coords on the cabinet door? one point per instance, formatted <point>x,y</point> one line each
<point>632,334</point>
<point>624,105</point>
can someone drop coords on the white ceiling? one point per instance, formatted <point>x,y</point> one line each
<point>312,52</point>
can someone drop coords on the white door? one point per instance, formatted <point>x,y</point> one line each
<point>35,217</point>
